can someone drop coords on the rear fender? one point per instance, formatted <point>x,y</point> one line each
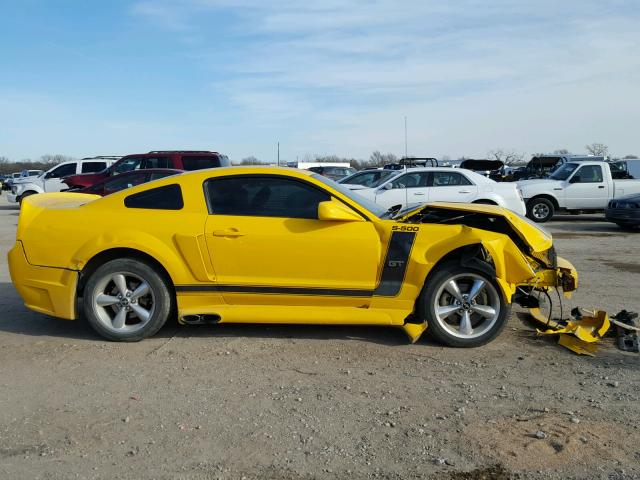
<point>165,254</point>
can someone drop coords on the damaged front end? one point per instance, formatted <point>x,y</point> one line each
<point>530,273</point>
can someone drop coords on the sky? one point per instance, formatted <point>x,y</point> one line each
<point>333,77</point>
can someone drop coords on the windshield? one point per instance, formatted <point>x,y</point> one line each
<point>564,171</point>
<point>377,210</point>
<point>370,179</point>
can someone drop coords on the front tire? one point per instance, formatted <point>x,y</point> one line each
<point>126,300</point>
<point>540,210</point>
<point>464,306</point>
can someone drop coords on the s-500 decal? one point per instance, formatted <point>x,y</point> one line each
<point>404,228</point>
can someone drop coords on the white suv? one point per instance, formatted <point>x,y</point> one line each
<point>51,180</point>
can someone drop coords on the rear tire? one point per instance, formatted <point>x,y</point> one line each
<point>464,307</point>
<point>126,300</point>
<point>540,210</point>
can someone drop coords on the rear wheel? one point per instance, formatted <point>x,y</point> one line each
<point>540,210</point>
<point>463,306</point>
<point>126,300</point>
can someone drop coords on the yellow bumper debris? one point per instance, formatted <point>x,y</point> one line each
<point>581,336</point>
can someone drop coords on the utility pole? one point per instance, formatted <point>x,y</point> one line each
<point>405,136</point>
<point>278,153</point>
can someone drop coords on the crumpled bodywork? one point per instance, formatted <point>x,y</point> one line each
<point>580,335</point>
<point>521,253</point>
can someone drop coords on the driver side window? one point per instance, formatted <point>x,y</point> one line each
<point>588,174</point>
<point>127,165</point>
<point>62,171</point>
<point>410,180</point>
<point>264,196</point>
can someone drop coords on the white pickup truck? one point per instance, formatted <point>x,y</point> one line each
<point>51,180</point>
<point>575,187</point>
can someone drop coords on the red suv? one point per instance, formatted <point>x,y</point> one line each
<point>179,160</point>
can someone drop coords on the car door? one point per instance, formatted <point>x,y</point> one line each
<point>451,186</point>
<point>406,189</point>
<point>587,189</point>
<point>268,246</point>
<point>53,178</point>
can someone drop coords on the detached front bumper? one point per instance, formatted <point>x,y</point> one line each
<point>44,289</point>
<point>564,276</point>
<point>12,198</point>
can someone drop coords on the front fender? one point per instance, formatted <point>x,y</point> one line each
<point>510,264</point>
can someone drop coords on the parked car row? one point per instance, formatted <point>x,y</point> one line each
<point>579,184</point>
<point>82,174</point>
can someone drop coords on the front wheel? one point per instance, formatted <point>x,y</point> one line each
<point>126,300</point>
<point>463,306</point>
<point>540,210</point>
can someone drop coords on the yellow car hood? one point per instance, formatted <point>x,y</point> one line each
<point>536,237</point>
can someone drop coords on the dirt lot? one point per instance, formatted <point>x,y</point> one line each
<point>323,402</point>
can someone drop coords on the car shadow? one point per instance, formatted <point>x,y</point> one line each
<point>9,207</point>
<point>18,319</point>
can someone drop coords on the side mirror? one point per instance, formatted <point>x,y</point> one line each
<point>386,186</point>
<point>334,211</point>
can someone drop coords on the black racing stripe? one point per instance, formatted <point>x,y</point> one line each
<point>391,280</point>
<point>314,291</point>
<point>395,264</point>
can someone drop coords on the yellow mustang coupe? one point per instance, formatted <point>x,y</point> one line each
<point>277,245</point>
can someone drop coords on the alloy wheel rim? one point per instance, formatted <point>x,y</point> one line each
<point>123,302</point>
<point>540,210</point>
<point>467,306</point>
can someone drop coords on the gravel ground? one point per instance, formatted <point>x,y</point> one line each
<point>299,402</point>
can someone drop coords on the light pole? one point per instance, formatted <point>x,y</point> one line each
<point>405,136</point>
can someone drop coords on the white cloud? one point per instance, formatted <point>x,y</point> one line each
<point>339,76</point>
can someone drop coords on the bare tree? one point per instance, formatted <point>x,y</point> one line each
<point>43,163</point>
<point>377,159</point>
<point>598,149</point>
<point>562,151</point>
<point>507,157</point>
<point>630,157</point>
<point>251,160</point>
<point>53,159</point>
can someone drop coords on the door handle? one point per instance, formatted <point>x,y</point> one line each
<point>229,232</point>
<point>601,186</point>
<point>464,191</point>
<point>416,193</point>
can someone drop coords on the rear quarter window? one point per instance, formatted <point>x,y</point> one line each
<point>194,162</point>
<point>90,167</point>
<point>167,197</point>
